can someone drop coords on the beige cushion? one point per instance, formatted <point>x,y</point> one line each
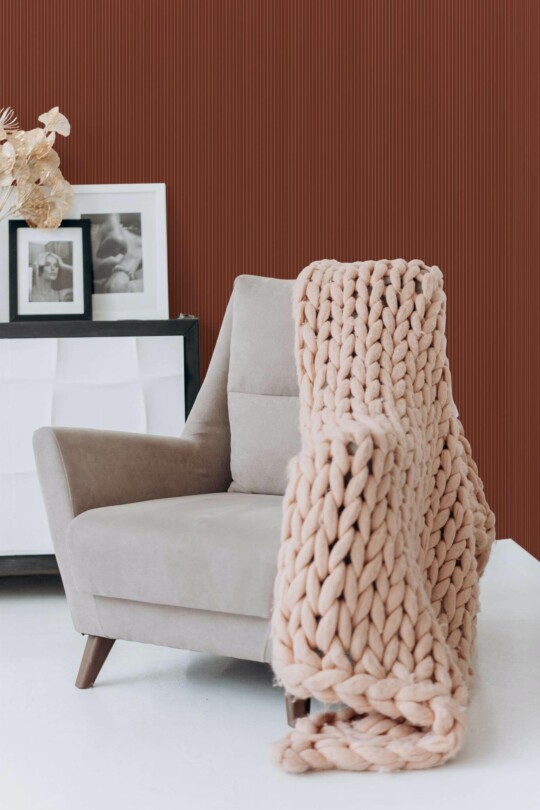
<point>211,552</point>
<point>262,385</point>
<point>203,630</point>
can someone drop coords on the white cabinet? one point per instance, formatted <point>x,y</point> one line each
<point>83,375</point>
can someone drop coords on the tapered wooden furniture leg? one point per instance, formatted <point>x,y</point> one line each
<point>296,708</point>
<point>95,654</point>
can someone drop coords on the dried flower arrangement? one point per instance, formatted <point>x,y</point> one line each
<point>31,183</point>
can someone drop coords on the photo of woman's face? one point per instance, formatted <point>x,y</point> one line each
<point>49,267</point>
<point>116,252</point>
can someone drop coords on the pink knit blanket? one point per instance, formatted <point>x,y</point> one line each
<point>386,528</point>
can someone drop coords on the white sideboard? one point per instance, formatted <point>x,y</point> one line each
<point>96,376</point>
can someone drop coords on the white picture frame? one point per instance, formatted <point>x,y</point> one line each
<point>146,204</point>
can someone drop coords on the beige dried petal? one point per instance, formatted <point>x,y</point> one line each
<point>24,189</point>
<point>18,141</point>
<point>31,145</point>
<point>40,170</point>
<point>54,219</point>
<point>37,143</point>
<point>6,179</point>
<point>62,200</point>
<point>7,162</point>
<point>7,156</point>
<point>35,208</point>
<point>55,122</point>
<point>48,203</point>
<point>59,185</point>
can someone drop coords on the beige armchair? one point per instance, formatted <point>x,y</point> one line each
<point>174,541</point>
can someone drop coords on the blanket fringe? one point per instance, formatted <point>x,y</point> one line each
<point>346,741</point>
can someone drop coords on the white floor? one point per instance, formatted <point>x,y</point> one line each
<point>165,729</point>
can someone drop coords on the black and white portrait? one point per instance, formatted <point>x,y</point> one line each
<point>128,234</point>
<point>117,252</point>
<point>50,271</point>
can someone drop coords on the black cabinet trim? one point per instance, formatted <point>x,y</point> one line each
<point>17,565</point>
<point>188,328</point>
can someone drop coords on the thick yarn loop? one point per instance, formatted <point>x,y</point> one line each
<point>386,528</point>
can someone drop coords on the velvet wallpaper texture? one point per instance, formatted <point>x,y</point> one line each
<point>294,130</point>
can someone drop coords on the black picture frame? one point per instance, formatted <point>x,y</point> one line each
<point>86,315</point>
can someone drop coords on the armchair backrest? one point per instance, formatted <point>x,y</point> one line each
<point>248,408</point>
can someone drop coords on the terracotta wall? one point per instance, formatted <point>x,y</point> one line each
<point>290,130</point>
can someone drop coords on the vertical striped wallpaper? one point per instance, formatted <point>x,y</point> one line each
<point>291,130</point>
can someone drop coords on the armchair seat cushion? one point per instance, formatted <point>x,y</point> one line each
<point>210,552</point>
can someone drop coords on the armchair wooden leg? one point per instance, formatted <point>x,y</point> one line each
<point>296,708</point>
<point>95,654</point>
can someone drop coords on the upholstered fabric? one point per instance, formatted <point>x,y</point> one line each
<point>85,469</point>
<point>213,552</point>
<point>386,529</point>
<point>126,467</point>
<point>262,385</point>
<point>201,630</point>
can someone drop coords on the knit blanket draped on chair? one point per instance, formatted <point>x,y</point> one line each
<point>386,528</point>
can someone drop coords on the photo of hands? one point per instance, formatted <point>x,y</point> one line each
<point>116,252</point>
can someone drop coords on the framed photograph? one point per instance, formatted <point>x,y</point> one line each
<point>129,249</point>
<point>50,272</point>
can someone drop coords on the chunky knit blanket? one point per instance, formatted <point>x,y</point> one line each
<point>386,527</point>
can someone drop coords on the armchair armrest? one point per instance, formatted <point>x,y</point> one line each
<point>91,468</point>
<point>85,469</point>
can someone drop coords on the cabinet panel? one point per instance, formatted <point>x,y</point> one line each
<point>130,383</point>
